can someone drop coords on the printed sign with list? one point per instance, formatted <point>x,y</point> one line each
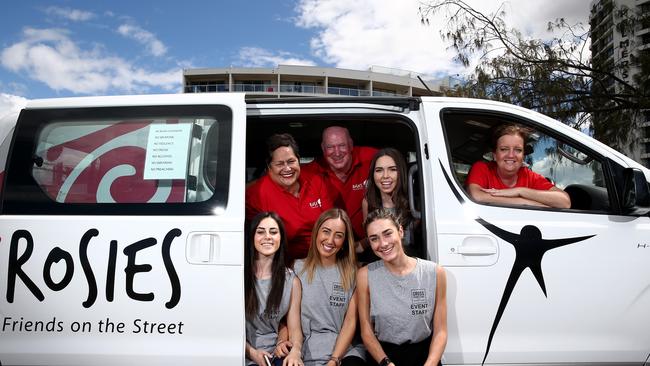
<point>167,149</point>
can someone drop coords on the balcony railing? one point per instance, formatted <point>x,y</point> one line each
<point>287,88</point>
<point>377,93</point>
<point>206,88</point>
<point>308,89</point>
<point>348,91</point>
<point>258,88</point>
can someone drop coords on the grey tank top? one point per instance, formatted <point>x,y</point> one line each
<point>323,308</point>
<point>401,307</point>
<point>262,330</point>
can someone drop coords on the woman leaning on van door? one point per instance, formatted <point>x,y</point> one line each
<point>329,306</point>
<point>402,300</point>
<point>506,180</point>
<point>271,292</point>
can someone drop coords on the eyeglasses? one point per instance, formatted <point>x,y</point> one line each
<point>281,163</point>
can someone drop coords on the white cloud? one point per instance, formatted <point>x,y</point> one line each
<point>70,14</point>
<point>153,44</point>
<point>50,56</point>
<point>259,57</point>
<point>9,104</point>
<point>359,34</point>
<point>362,33</point>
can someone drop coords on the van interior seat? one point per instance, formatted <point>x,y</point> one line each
<point>586,197</point>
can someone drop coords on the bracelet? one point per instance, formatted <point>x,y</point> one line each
<point>336,360</point>
<point>385,362</point>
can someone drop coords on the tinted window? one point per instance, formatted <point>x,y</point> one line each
<point>137,159</point>
<point>125,161</point>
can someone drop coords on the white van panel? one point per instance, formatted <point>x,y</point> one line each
<point>162,306</point>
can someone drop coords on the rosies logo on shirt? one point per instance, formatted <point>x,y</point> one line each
<point>315,204</point>
<point>15,271</point>
<point>360,186</point>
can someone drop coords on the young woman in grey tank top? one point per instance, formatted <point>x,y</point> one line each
<point>402,300</point>
<point>329,306</point>
<point>271,292</point>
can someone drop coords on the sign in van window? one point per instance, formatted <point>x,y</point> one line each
<point>127,161</point>
<point>167,151</point>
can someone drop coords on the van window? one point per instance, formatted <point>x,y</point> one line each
<point>569,166</point>
<point>124,161</point>
<point>171,156</point>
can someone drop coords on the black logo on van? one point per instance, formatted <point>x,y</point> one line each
<point>16,261</point>
<point>529,250</point>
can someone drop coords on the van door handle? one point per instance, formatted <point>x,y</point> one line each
<point>468,250</point>
<point>476,250</point>
<point>203,248</point>
<point>475,245</point>
<point>215,248</point>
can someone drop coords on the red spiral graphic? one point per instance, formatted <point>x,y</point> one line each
<point>126,185</point>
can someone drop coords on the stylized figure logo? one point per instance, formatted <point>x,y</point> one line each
<point>529,251</point>
<point>530,248</point>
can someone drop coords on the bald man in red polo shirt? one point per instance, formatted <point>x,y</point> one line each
<point>345,168</point>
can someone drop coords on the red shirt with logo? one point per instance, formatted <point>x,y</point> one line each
<point>299,214</point>
<point>485,175</point>
<point>349,194</point>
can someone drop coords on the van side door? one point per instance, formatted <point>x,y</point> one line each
<point>122,232</point>
<point>538,285</point>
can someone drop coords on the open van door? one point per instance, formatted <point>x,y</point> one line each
<point>122,232</point>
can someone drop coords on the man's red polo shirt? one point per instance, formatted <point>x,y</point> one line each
<point>299,214</point>
<point>349,194</point>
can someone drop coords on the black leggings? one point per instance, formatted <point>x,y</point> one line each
<point>407,354</point>
<point>353,361</point>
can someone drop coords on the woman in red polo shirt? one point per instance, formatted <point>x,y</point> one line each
<point>506,181</point>
<point>298,198</point>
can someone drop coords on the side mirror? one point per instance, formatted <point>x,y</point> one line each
<point>635,199</point>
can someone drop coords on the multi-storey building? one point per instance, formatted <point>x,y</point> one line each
<point>296,81</point>
<point>615,46</point>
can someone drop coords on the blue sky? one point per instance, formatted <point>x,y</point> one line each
<point>69,48</point>
<point>156,38</point>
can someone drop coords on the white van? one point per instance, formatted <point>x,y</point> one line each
<point>122,229</point>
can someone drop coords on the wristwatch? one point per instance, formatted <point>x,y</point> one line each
<point>385,362</point>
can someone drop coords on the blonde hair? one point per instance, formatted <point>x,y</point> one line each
<point>346,258</point>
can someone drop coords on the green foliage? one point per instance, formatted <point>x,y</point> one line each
<point>555,77</point>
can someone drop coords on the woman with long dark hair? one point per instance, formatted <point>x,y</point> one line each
<point>271,292</point>
<point>387,189</point>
